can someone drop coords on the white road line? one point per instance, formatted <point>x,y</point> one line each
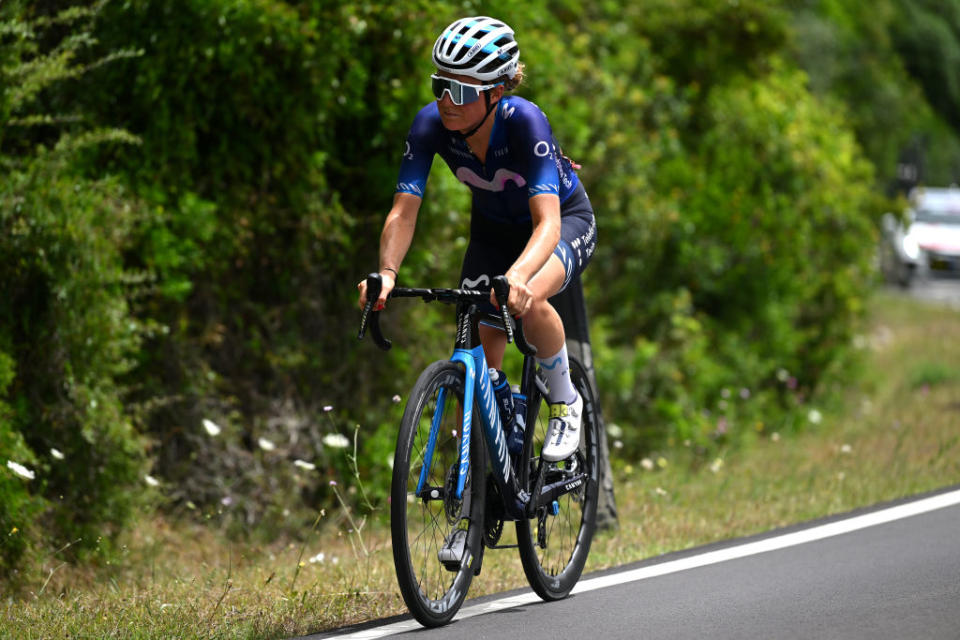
<point>713,557</point>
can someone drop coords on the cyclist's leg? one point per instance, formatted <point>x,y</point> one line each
<point>541,324</point>
<point>494,345</point>
<point>546,332</point>
<point>545,328</point>
<point>578,240</point>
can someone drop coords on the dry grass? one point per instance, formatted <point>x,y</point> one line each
<point>898,435</point>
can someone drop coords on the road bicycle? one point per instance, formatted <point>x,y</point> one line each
<point>454,486</point>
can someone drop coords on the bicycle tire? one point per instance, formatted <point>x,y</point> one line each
<point>421,526</point>
<point>555,567</point>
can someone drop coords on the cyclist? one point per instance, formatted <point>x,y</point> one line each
<point>531,219</point>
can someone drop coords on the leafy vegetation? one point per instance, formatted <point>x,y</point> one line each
<point>189,195</point>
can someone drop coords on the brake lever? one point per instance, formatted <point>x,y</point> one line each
<point>370,317</point>
<point>501,290</point>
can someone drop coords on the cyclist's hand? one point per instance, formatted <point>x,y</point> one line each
<point>388,283</point>
<point>520,299</point>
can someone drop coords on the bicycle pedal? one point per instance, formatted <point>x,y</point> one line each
<point>451,553</point>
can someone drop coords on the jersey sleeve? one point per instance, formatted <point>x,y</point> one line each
<point>418,152</point>
<point>533,137</point>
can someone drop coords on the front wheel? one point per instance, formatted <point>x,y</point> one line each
<point>431,525</point>
<point>554,544</point>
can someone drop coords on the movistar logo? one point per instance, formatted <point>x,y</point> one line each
<point>473,284</point>
<point>552,365</point>
<point>497,183</point>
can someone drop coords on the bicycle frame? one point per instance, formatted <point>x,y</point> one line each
<point>478,387</point>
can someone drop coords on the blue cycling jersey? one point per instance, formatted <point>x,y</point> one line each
<point>523,160</point>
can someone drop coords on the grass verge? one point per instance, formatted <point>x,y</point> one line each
<point>897,434</point>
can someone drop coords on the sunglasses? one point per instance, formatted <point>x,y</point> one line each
<point>461,93</point>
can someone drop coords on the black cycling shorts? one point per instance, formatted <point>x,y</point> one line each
<point>495,246</point>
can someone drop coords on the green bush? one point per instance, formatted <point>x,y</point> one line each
<point>66,334</point>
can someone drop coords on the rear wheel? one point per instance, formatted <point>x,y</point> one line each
<point>554,544</point>
<point>428,526</point>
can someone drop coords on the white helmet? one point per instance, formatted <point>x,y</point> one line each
<point>480,47</point>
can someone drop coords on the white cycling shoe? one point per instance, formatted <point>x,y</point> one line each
<point>563,432</point>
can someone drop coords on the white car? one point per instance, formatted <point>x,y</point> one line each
<point>931,240</point>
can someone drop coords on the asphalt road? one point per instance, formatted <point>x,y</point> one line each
<point>940,289</point>
<point>889,573</point>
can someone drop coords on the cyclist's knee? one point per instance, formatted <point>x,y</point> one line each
<point>543,318</point>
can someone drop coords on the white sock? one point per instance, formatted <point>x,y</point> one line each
<point>556,369</point>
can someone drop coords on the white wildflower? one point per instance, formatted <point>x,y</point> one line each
<point>21,470</point>
<point>617,444</point>
<point>783,375</point>
<point>396,399</point>
<point>150,480</point>
<point>614,430</point>
<point>320,557</point>
<point>815,416</point>
<point>660,491</point>
<point>716,465</point>
<point>390,461</point>
<point>336,441</point>
<point>328,408</point>
<point>846,448</point>
<point>303,464</point>
<point>647,464</point>
<point>56,453</point>
<point>775,436</point>
<point>212,428</point>
<point>266,445</point>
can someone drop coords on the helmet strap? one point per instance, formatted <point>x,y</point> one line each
<point>490,108</point>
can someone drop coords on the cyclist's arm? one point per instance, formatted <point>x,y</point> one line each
<point>395,241</point>
<point>398,231</point>
<point>398,228</point>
